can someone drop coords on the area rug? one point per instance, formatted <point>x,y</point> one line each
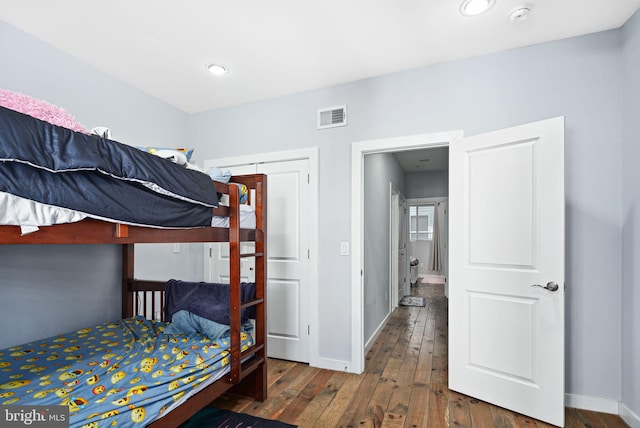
<point>413,301</point>
<point>432,280</point>
<point>220,418</point>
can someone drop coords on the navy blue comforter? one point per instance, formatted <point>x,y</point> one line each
<point>103,178</point>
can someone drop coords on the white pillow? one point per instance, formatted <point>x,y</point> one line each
<point>172,155</point>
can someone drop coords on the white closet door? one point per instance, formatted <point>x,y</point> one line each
<point>288,263</point>
<point>288,259</point>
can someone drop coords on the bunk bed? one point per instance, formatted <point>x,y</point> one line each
<point>241,356</point>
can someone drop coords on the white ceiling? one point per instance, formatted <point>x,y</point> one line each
<point>282,47</point>
<point>433,159</point>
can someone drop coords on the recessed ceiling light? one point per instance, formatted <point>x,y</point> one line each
<point>520,14</point>
<point>217,69</point>
<point>475,7</point>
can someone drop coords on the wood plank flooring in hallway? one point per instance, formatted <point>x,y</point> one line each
<point>404,384</point>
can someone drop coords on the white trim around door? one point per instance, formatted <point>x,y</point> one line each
<point>358,150</point>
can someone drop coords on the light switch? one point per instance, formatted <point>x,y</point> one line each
<point>176,248</point>
<point>344,248</point>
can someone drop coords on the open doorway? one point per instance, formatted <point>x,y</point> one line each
<point>389,179</point>
<point>365,329</point>
<point>418,224</point>
<point>429,240</point>
<point>517,173</point>
<point>426,184</point>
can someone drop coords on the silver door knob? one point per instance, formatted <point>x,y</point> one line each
<point>551,286</point>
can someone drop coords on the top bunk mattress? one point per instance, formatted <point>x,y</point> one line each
<point>102,178</point>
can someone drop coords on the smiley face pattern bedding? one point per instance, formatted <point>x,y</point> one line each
<point>123,374</point>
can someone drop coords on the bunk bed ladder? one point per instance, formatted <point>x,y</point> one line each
<point>255,366</point>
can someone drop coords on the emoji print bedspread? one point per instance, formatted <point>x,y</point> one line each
<point>123,374</point>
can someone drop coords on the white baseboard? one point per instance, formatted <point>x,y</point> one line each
<point>376,333</point>
<point>595,404</point>
<point>627,415</point>
<point>347,366</point>
<point>336,365</point>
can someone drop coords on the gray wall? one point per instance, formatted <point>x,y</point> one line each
<point>579,78</point>
<point>631,217</point>
<point>48,290</point>
<point>427,184</point>
<point>379,170</point>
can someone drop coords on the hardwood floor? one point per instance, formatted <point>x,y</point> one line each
<point>404,384</point>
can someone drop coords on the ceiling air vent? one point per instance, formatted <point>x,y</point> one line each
<point>332,117</point>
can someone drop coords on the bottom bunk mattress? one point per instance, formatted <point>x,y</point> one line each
<point>125,373</point>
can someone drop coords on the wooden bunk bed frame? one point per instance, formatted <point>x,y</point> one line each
<point>248,372</point>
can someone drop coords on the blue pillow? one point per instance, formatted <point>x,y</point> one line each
<point>219,175</point>
<point>185,322</point>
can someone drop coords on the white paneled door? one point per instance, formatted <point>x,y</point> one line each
<point>506,308</point>
<point>288,257</point>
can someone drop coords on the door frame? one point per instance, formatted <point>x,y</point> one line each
<point>358,151</point>
<point>403,216</point>
<point>311,154</point>
<point>394,239</point>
